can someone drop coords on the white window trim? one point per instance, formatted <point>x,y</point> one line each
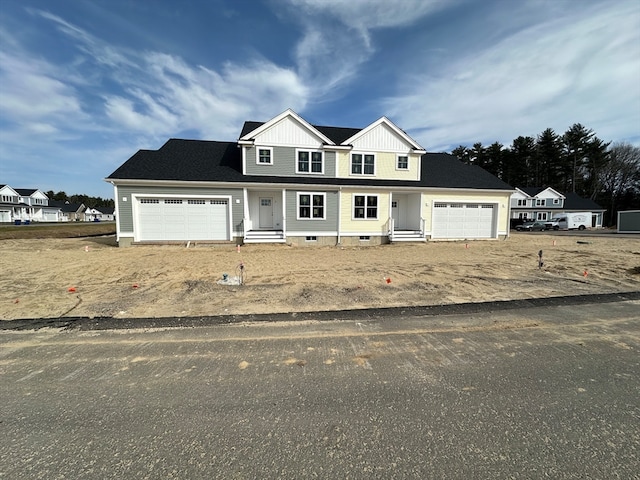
<point>353,206</point>
<point>540,202</point>
<point>556,201</point>
<point>324,206</point>
<point>398,163</point>
<point>258,162</point>
<point>375,163</point>
<point>310,151</point>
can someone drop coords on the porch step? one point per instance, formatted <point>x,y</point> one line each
<point>264,236</point>
<point>407,236</point>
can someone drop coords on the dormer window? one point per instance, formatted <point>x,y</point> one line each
<point>264,156</point>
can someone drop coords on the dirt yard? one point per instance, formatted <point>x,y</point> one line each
<point>45,278</point>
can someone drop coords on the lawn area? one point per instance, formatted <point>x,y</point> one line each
<point>57,230</point>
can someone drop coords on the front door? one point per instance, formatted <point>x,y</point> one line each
<point>395,214</point>
<point>266,212</point>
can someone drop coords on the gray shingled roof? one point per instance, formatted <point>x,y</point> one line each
<point>210,161</point>
<point>573,201</point>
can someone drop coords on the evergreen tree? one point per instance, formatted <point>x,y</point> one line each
<point>549,152</point>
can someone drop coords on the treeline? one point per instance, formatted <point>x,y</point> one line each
<point>89,202</point>
<point>576,161</point>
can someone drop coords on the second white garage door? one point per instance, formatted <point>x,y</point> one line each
<point>463,220</point>
<point>182,219</point>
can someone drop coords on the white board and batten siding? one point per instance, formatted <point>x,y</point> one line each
<point>463,220</point>
<point>288,132</point>
<point>181,218</point>
<point>381,139</point>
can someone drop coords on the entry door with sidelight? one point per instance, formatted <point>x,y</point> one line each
<point>266,212</point>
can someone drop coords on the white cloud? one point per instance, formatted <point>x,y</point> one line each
<point>337,37</point>
<point>583,67</point>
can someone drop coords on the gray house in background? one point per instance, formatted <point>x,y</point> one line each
<point>542,204</point>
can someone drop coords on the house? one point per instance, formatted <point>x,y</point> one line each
<point>99,214</point>
<point>286,180</point>
<point>68,212</point>
<point>25,205</point>
<point>539,203</point>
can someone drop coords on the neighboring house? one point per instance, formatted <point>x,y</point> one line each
<point>9,203</point>
<point>99,214</point>
<point>286,180</point>
<point>68,212</point>
<point>25,205</point>
<point>539,203</point>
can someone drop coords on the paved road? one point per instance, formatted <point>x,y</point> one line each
<point>547,391</point>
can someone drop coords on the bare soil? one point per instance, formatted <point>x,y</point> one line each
<point>53,278</point>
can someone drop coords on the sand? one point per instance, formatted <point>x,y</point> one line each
<point>91,277</point>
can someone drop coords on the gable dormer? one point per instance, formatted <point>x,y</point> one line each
<point>286,146</point>
<point>381,151</point>
<point>549,198</point>
<point>8,195</point>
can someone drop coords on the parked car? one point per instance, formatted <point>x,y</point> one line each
<point>532,227</point>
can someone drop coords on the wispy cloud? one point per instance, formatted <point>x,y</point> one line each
<point>338,36</point>
<point>582,66</point>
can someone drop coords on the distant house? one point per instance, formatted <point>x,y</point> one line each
<point>539,203</point>
<point>286,180</point>
<point>99,214</point>
<point>25,205</point>
<point>69,212</point>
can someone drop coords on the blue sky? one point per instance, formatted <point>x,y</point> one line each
<point>84,84</point>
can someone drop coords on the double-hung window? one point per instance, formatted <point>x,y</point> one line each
<point>264,156</point>
<point>311,206</point>
<point>309,162</point>
<point>365,206</point>
<point>363,164</point>
<point>402,162</point>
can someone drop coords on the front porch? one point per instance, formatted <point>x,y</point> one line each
<point>406,223</point>
<point>264,218</point>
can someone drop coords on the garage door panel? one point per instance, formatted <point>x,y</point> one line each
<point>463,220</point>
<point>183,219</point>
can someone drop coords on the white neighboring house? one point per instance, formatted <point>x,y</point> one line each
<point>100,214</point>
<point>9,202</point>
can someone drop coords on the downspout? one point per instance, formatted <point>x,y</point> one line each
<point>339,213</point>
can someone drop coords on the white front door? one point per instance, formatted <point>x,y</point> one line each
<point>266,212</point>
<point>395,214</point>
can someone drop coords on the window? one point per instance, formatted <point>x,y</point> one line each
<point>149,200</point>
<point>174,201</point>
<point>365,206</point>
<point>542,216</point>
<point>311,239</point>
<point>196,202</point>
<point>311,206</point>
<point>556,201</point>
<point>265,156</point>
<point>539,202</point>
<point>365,238</point>
<point>309,162</point>
<point>403,162</point>
<point>522,202</point>
<point>362,164</point>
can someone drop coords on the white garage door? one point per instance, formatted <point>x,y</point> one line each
<point>162,219</point>
<point>463,220</point>
<point>5,216</point>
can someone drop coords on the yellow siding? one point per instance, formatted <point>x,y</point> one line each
<point>501,199</point>
<point>385,167</point>
<point>350,225</point>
